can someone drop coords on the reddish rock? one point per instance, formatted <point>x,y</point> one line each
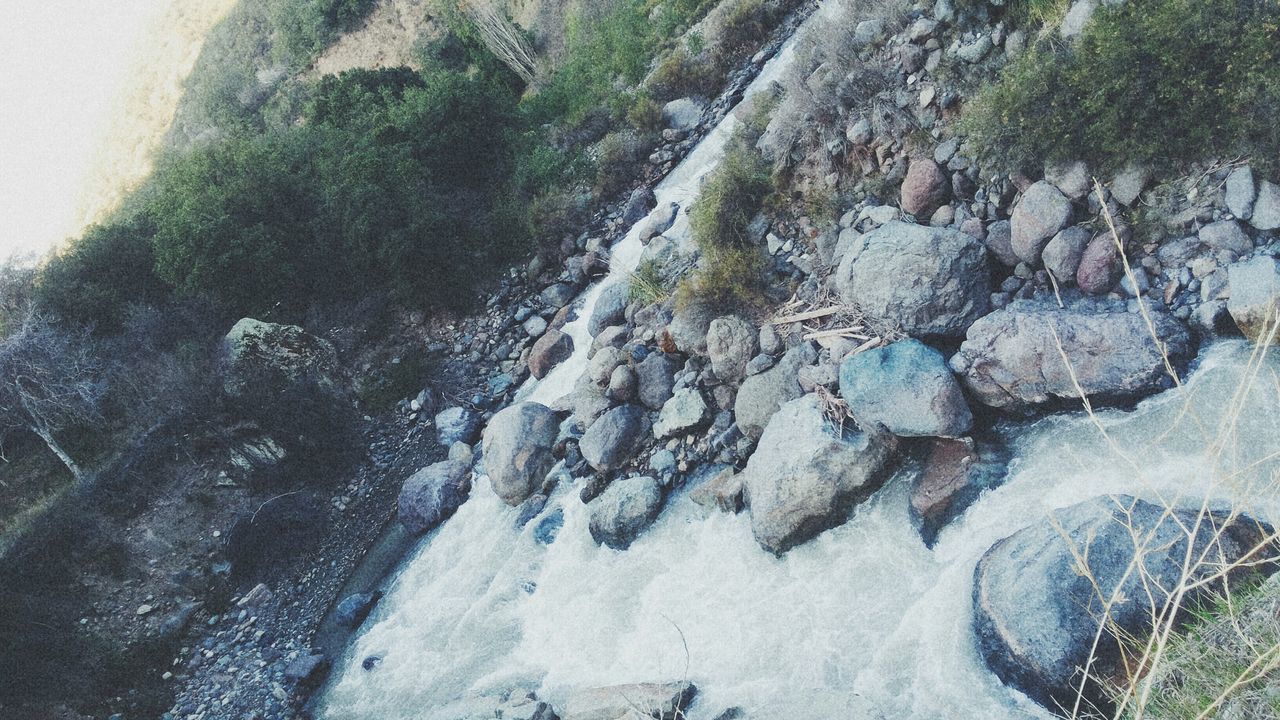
<point>925,188</point>
<point>1100,266</point>
<point>955,473</point>
<point>553,348</point>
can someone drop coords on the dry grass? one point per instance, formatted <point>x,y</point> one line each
<point>1164,673</point>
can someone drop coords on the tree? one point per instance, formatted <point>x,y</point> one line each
<point>49,381</point>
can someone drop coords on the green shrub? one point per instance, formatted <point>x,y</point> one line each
<point>681,73</point>
<point>728,278</point>
<point>1158,81</point>
<point>730,199</point>
<point>99,276</point>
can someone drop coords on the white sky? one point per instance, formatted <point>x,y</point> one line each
<point>62,63</point>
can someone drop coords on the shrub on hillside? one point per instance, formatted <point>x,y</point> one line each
<point>1157,82</point>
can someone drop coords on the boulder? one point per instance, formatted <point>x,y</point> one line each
<point>553,348</point>
<point>355,608</point>
<point>1063,253</point>
<point>1071,178</point>
<point>685,411</point>
<point>431,495</point>
<point>265,358</point>
<point>1266,209</point>
<point>612,439</point>
<point>656,376</point>
<point>1241,192</point>
<point>456,425</point>
<point>1011,361</point>
<point>954,473</point>
<point>806,475</point>
<point>682,114</point>
<point>690,324</point>
<point>907,389</point>
<point>1038,216</point>
<point>762,394</point>
<point>1077,18</point>
<point>622,384</point>
<point>731,343</point>
<point>722,491</point>
<point>925,188</point>
<point>999,241</point>
<point>1038,594</point>
<point>517,449</point>
<point>663,701</point>
<point>1100,267</point>
<point>928,281</point>
<point>307,670</point>
<point>1254,295</point>
<point>610,307</point>
<point>624,510</point>
<point>1226,236</point>
<point>1129,184</point>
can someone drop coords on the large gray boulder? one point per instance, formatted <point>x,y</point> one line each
<point>266,358</point>
<point>1011,360</point>
<point>1040,594</point>
<point>1255,295</point>
<point>656,376</point>
<point>906,388</point>
<point>762,394</point>
<point>661,701</point>
<point>624,510</point>
<point>806,475</point>
<point>613,438</point>
<point>1038,216</point>
<point>1063,253</point>
<point>517,449</point>
<point>431,495</point>
<point>731,343</point>
<point>928,281</point>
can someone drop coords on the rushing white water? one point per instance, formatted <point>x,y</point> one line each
<point>862,615</point>
<point>862,622</point>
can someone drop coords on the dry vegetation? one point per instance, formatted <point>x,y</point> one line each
<point>1231,657</point>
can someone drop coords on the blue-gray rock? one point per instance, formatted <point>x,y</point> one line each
<point>1226,236</point>
<point>731,343</point>
<point>685,411</point>
<point>624,510</point>
<point>610,307</point>
<point>431,495</point>
<point>1266,209</point>
<point>613,438</point>
<point>999,241</point>
<point>1038,216</point>
<point>762,394</point>
<point>355,608</point>
<point>806,475</point>
<point>1062,254</point>
<point>682,114</point>
<point>1255,295</point>
<point>548,527</point>
<point>906,388</point>
<point>1241,192</point>
<point>928,281</point>
<point>1010,359</point>
<point>557,295</point>
<point>517,449</point>
<point>307,670</point>
<point>530,509</point>
<point>656,378</point>
<point>1036,594</point>
<point>457,424</point>
<point>690,324</point>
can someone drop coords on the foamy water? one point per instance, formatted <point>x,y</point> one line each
<point>862,617</point>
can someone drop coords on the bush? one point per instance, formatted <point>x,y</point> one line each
<point>1156,82</point>
<point>102,274</point>
<point>730,199</point>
